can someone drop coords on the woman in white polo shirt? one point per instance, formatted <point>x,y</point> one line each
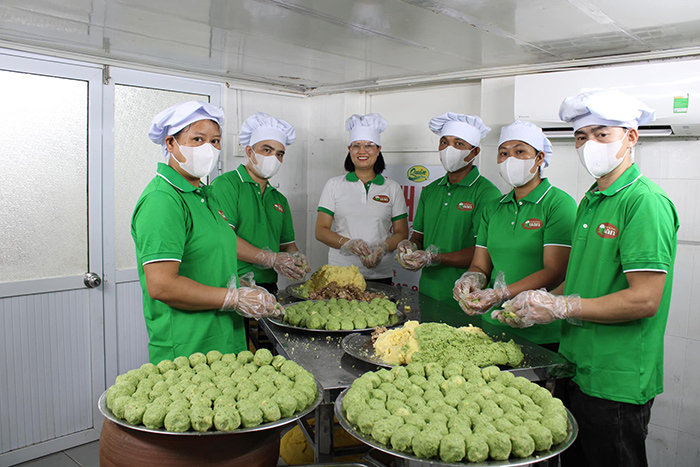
<point>362,215</point>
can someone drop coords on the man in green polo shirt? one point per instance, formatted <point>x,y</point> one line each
<point>446,219</point>
<point>256,210</point>
<point>617,289</point>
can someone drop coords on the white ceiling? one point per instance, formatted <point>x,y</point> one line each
<point>338,44</point>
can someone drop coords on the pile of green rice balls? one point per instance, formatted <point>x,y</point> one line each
<point>213,391</point>
<point>455,413</point>
<point>341,314</point>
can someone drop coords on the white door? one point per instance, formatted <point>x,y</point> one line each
<point>51,323</point>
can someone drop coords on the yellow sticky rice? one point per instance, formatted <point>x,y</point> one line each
<point>341,275</point>
<point>441,343</point>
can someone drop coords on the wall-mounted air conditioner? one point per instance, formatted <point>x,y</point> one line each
<point>671,88</point>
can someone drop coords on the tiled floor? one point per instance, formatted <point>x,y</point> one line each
<point>87,455</point>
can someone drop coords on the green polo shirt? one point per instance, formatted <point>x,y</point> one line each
<point>515,233</point>
<point>262,219</point>
<point>172,222</point>
<point>447,215</point>
<point>631,226</point>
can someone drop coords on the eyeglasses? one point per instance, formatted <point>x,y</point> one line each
<point>367,147</point>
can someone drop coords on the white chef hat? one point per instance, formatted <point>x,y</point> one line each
<point>175,118</point>
<point>528,133</point>
<point>468,127</point>
<point>607,107</point>
<point>365,127</point>
<point>261,126</point>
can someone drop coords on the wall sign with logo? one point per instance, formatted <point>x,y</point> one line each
<point>412,178</point>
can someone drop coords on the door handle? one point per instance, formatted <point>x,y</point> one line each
<point>91,280</point>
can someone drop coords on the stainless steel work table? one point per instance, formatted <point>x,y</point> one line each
<point>322,355</point>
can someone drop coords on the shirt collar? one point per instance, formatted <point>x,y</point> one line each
<point>468,180</point>
<point>534,197</point>
<point>174,178</point>
<point>628,177</point>
<point>245,177</point>
<point>352,177</point>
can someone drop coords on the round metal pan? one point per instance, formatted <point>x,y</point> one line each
<point>360,346</point>
<point>391,292</point>
<point>398,319</point>
<point>102,405</point>
<point>538,456</point>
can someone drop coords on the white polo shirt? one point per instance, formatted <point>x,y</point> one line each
<point>363,211</point>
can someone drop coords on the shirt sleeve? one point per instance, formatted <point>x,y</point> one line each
<point>224,196</point>
<point>559,224</point>
<point>287,234</point>
<point>159,228</point>
<point>418,216</point>
<point>398,209</point>
<point>648,238</point>
<point>327,202</point>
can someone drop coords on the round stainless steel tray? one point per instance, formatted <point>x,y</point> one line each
<point>391,292</point>
<point>361,347</point>
<point>102,405</point>
<point>539,456</point>
<point>397,319</point>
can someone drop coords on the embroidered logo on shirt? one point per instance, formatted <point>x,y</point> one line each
<point>418,173</point>
<point>381,198</point>
<point>606,230</point>
<point>465,206</point>
<point>532,224</point>
<point>279,207</point>
<point>223,215</point>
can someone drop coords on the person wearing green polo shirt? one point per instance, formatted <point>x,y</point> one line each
<point>256,210</point>
<point>525,236</point>
<point>447,217</point>
<point>186,252</point>
<point>358,211</point>
<point>618,286</point>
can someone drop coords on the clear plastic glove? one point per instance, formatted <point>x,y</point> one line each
<point>480,301</point>
<point>403,248</point>
<point>356,247</point>
<point>376,255</point>
<point>301,261</point>
<point>470,281</point>
<point>250,300</point>
<point>539,307</point>
<point>421,258</point>
<point>283,263</point>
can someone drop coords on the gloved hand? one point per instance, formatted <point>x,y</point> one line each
<point>376,255</point>
<point>539,307</point>
<point>481,301</point>
<point>403,248</point>
<point>283,263</point>
<point>301,261</point>
<point>250,300</point>
<point>355,246</point>
<point>421,258</point>
<point>471,281</point>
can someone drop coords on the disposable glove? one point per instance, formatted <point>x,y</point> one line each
<point>421,258</point>
<point>356,247</point>
<point>539,307</point>
<point>469,282</point>
<point>479,302</point>
<point>375,257</point>
<point>250,300</point>
<point>283,263</point>
<point>403,248</point>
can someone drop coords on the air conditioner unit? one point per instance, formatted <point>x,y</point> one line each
<point>671,88</point>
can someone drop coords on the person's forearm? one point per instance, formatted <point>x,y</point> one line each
<point>245,251</point>
<point>185,294</point>
<point>544,278</point>
<point>619,307</point>
<point>330,238</point>
<point>417,238</point>
<point>289,247</point>
<point>457,259</point>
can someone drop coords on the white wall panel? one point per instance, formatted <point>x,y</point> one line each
<point>45,370</point>
<point>132,337</point>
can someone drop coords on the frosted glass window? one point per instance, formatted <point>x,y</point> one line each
<point>43,177</point>
<point>135,156</point>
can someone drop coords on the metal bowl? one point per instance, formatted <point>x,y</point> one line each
<point>397,319</point>
<point>361,347</point>
<point>538,456</point>
<point>102,405</point>
<point>392,293</point>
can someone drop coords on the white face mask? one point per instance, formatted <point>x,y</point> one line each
<point>517,172</point>
<point>199,160</point>
<point>453,159</point>
<point>600,158</point>
<point>267,166</point>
